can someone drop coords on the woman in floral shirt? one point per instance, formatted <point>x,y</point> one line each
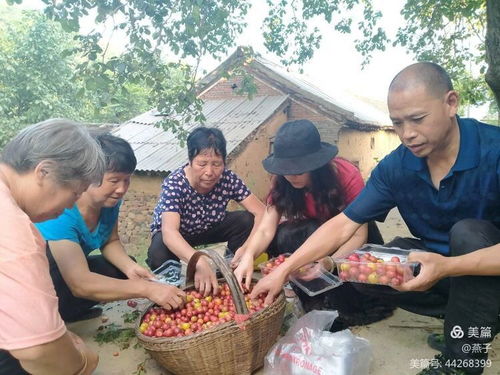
<point>191,210</point>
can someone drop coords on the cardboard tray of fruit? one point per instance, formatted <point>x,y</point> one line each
<point>222,334</point>
<point>376,264</point>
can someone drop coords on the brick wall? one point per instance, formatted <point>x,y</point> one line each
<point>136,214</point>
<point>328,128</point>
<point>223,89</point>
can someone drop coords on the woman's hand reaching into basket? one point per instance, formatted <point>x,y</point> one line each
<point>244,270</point>
<point>205,280</point>
<point>167,296</point>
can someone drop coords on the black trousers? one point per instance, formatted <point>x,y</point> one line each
<point>234,229</point>
<point>291,235</point>
<point>70,307</point>
<point>10,365</point>
<point>468,304</point>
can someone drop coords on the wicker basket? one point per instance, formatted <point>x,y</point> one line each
<point>225,349</point>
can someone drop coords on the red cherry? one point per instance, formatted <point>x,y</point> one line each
<point>383,280</point>
<point>343,275</point>
<point>395,281</point>
<point>362,277</point>
<point>380,269</point>
<point>168,332</point>
<point>364,269</point>
<point>354,272</point>
<point>390,268</point>
<point>353,257</point>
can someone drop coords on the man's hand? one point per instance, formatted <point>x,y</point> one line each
<point>204,278</point>
<point>431,271</point>
<point>244,270</point>
<point>270,285</point>
<point>135,272</point>
<point>167,296</point>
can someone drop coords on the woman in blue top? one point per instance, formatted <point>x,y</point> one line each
<point>80,280</point>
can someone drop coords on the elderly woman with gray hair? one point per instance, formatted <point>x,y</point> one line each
<point>43,170</point>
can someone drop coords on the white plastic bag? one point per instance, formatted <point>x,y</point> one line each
<point>308,349</point>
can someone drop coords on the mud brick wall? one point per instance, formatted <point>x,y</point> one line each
<point>135,217</point>
<point>227,89</point>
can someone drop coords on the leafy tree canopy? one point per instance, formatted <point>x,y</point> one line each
<point>454,33</point>
<point>37,79</point>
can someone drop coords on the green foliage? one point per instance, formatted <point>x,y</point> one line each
<point>287,30</point>
<point>8,128</point>
<point>451,33</point>
<point>34,80</point>
<point>38,79</point>
<point>448,32</point>
<point>131,317</point>
<point>113,333</point>
<point>189,29</point>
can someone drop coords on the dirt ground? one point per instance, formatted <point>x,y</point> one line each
<point>398,343</point>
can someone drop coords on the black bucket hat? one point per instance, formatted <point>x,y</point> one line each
<point>298,149</point>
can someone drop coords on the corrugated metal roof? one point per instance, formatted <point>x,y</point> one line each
<point>158,150</point>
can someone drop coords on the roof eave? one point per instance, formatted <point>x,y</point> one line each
<point>367,126</point>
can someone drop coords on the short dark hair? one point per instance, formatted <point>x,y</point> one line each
<point>433,76</point>
<point>203,138</point>
<point>118,153</point>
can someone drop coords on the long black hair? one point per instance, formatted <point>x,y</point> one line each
<point>326,189</point>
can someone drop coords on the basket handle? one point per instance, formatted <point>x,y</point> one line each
<point>238,297</point>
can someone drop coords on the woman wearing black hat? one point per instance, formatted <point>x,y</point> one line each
<point>310,186</point>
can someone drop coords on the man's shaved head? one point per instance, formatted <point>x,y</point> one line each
<point>432,76</point>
